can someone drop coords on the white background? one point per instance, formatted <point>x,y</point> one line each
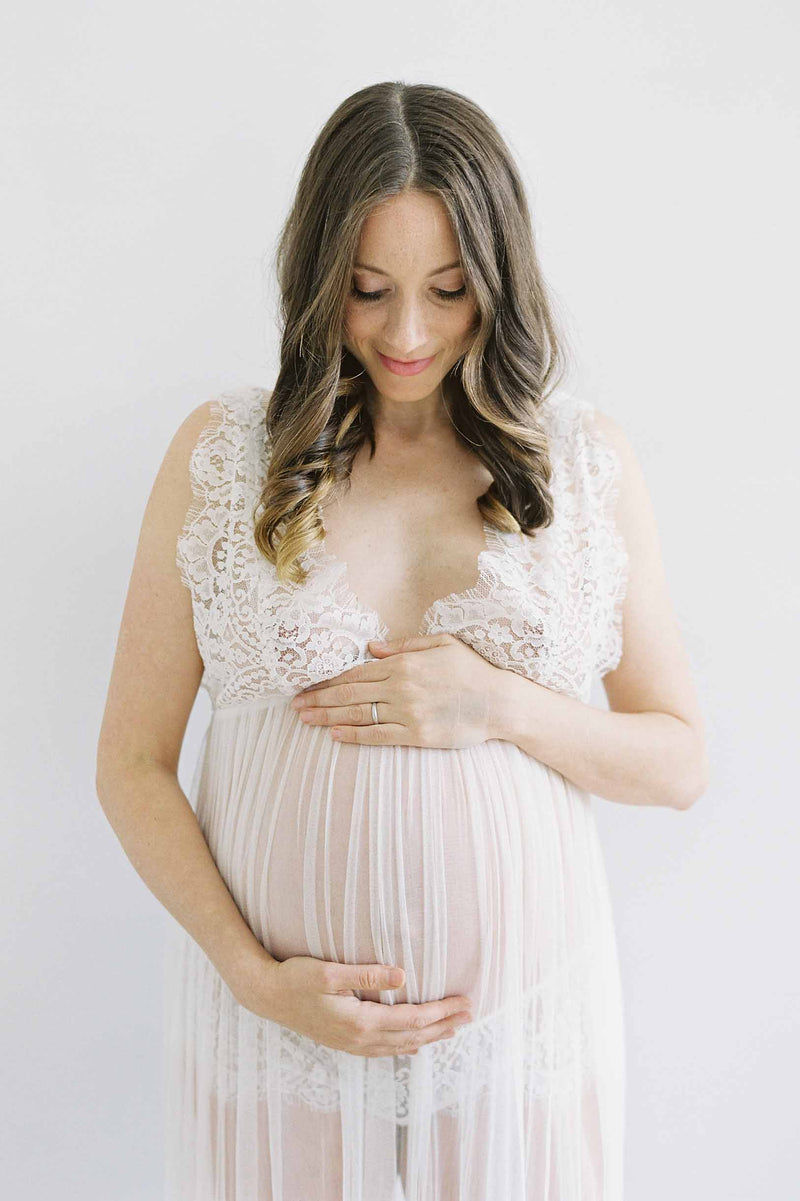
<point>150,153</point>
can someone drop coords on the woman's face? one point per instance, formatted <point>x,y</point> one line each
<point>414,310</point>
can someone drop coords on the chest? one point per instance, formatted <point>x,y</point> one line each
<point>400,562</point>
<point>405,542</point>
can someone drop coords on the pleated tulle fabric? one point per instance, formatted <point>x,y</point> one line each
<point>477,870</point>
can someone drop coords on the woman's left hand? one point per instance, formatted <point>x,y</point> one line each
<point>431,691</point>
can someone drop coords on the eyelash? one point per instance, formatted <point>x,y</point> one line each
<point>370,297</point>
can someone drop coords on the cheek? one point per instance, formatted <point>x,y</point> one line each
<point>359,323</point>
<point>464,324</point>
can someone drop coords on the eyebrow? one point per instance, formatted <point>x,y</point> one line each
<point>438,271</point>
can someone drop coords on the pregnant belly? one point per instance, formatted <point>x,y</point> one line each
<point>471,869</point>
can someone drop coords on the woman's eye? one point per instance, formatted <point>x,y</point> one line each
<point>452,295</point>
<point>440,292</point>
<point>359,295</point>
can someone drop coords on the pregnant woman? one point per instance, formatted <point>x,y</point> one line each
<point>393,969</point>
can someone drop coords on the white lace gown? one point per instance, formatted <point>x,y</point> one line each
<point>477,870</point>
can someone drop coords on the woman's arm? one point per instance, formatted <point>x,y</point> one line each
<point>159,832</point>
<point>156,674</point>
<point>636,758</point>
<point>649,748</point>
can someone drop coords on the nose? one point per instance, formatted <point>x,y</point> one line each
<point>404,332</point>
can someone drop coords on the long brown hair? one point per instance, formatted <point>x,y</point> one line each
<point>383,140</point>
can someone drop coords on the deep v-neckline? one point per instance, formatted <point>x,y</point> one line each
<point>348,598</point>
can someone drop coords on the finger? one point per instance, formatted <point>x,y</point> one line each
<point>348,715</point>
<point>340,976</point>
<point>408,1042</point>
<point>383,734</point>
<point>409,1016</point>
<point>341,694</point>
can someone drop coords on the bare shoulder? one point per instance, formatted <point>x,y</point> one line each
<point>179,451</point>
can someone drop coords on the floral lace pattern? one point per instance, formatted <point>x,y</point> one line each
<point>554,1061</point>
<point>551,1024</point>
<point>547,606</point>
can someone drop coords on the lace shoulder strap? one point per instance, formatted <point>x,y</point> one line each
<point>590,469</point>
<point>603,472</point>
<point>221,469</point>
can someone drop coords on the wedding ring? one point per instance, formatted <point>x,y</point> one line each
<point>375,712</point>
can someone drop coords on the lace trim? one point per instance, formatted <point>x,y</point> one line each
<point>554,1029</point>
<point>552,1021</point>
<point>203,520</point>
<point>220,476</point>
<point>605,478</point>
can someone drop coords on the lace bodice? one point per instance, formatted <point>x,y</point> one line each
<point>548,606</point>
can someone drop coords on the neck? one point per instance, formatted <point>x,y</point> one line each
<point>410,421</point>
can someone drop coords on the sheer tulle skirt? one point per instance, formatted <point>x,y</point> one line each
<point>479,871</point>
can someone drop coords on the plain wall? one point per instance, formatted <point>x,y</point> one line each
<point>150,154</point>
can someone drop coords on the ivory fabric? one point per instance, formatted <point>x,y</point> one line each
<point>477,870</point>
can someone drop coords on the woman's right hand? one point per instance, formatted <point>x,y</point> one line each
<point>315,997</point>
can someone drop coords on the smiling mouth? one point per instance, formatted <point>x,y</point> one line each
<point>405,366</point>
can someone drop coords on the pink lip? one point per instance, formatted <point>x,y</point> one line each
<point>400,368</point>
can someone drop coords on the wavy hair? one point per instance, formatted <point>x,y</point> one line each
<point>383,140</point>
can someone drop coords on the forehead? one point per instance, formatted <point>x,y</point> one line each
<point>409,232</point>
